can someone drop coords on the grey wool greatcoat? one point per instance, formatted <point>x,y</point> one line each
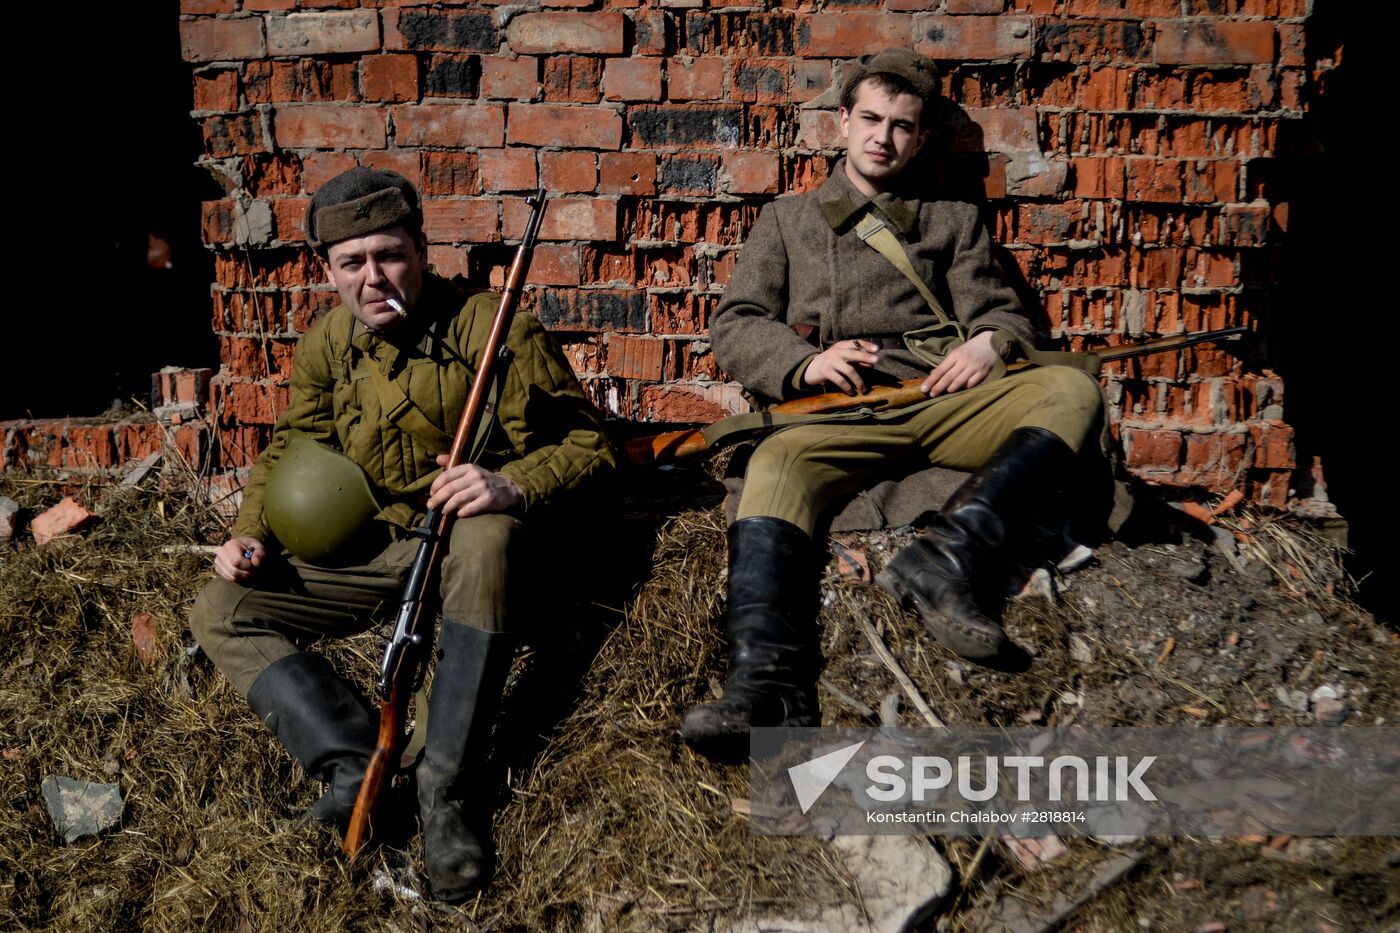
<point>803,265</point>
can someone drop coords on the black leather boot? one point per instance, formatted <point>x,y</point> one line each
<point>934,575</point>
<point>455,787</point>
<point>772,642</point>
<point>325,724</point>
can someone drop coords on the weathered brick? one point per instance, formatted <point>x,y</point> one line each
<point>751,172</point>
<point>86,447</point>
<point>1211,180</point>
<point>1151,451</point>
<point>635,357</point>
<point>695,79</point>
<point>1273,446</point>
<point>760,79</point>
<point>569,218</point>
<point>234,134</point>
<point>975,7</point>
<point>691,175</point>
<point>632,79</point>
<point>667,126</point>
<point>138,440</point>
<point>838,35</point>
<point>627,173</point>
<point>216,90</point>
<point>211,40</point>
<point>216,221</point>
<point>453,76</point>
<point>480,125</point>
<point>508,170</point>
<point>1008,129</point>
<point>450,173</point>
<point>809,79</point>
<point>1245,225</point>
<point>685,403</point>
<point>554,264</point>
<point>1154,179</point>
<point>454,220</point>
<point>389,77</point>
<point>1112,41</point>
<point>1098,177</point>
<point>572,78</point>
<point>510,78</point>
<point>649,32</point>
<point>818,129</point>
<point>567,127</point>
<point>450,261</point>
<point>324,126</point>
<point>425,30</point>
<point>289,218</point>
<point>555,33</point>
<point>974,38</point>
<point>1212,460</point>
<point>569,171</point>
<point>305,80</point>
<point>1292,41</point>
<point>404,161</point>
<point>205,7</point>
<point>1213,42</point>
<point>748,33</point>
<point>593,309</point>
<point>323,33</point>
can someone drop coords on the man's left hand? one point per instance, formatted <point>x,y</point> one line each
<point>468,490</point>
<point>964,368</point>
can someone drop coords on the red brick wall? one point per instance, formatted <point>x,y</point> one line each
<point>1125,147</point>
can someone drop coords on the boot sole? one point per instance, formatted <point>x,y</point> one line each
<point>939,625</point>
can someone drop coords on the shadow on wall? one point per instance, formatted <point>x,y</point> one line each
<point>1336,300</point>
<point>118,282</point>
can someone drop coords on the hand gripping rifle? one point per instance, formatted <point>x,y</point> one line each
<point>406,655</point>
<point>677,445</point>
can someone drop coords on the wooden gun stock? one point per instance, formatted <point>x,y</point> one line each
<point>678,445</point>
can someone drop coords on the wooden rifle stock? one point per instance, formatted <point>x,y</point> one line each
<point>677,445</point>
<point>405,657</point>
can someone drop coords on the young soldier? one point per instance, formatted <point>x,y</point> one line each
<point>819,266</point>
<point>320,543</point>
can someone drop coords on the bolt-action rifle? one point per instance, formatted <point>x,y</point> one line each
<point>677,445</point>
<point>406,655</point>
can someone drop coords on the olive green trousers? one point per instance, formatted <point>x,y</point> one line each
<point>797,473</point>
<point>289,603</point>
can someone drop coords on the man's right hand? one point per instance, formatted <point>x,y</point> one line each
<point>239,558</point>
<point>840,364</point>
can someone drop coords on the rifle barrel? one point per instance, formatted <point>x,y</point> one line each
<point>412,639</point>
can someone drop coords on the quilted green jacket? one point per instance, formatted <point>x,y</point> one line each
<point>391,402</point>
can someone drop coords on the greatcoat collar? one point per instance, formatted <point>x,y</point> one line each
<point>840,201</point>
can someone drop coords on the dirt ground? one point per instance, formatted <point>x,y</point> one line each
<point>606,820</point>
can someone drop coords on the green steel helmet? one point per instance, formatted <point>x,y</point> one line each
<point>316,499</point>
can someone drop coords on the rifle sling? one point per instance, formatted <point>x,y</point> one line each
<point>401,410</point>
<point>875,234</point>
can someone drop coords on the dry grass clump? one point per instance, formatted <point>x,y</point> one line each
<point>609,821</point>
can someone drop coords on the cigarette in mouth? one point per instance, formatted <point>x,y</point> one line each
<point>397,306</point>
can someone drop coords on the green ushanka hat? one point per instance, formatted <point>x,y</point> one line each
<point>358,202</point>
<point>912,68</point>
